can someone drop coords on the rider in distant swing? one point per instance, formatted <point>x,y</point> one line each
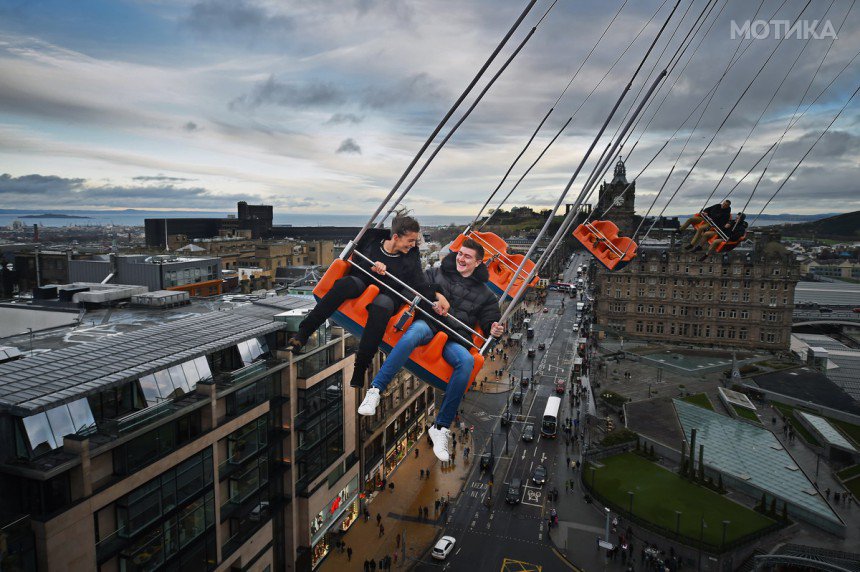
<point>720,214</point>
<point>462,278</point>
<point>736,231</point>
<point>396,253</point>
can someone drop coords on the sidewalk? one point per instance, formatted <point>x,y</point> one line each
<point>399,511</point>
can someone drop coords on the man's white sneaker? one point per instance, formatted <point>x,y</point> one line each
<point>440,442</point>
<point>371,401</point>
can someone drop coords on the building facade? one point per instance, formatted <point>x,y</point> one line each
<point>742,299</point>
<point>199,276</point>
<point>194,445</point>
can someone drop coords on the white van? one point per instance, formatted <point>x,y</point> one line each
<point>580,306</point>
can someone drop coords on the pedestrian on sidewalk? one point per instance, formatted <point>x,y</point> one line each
<point>366,565</point>
<point>416,452</point>
<point>348,554</point>
<point>426,511</point>
<point>391,487</point>
<point>422,473</point>
<point>381,530</point>
<point>397,540</point>
<point>378,519</point>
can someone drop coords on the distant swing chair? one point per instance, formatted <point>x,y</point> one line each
<point>601,239</point>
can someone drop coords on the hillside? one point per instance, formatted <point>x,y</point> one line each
<point>840,227</point>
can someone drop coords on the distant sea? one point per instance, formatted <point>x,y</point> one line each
<point>135,218</point>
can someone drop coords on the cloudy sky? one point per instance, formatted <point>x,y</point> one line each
<point>319,106</point>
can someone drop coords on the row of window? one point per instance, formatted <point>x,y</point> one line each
<point>736,270</point>
<point>698,331</point>
<point>698,295</point>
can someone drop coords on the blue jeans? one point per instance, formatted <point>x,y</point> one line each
<point>458,356</point>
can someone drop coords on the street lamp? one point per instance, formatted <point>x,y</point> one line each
<point>31,348</point>
<point>630,494</point>
<point>725,526</point>
<point>677,523</point>
<point>607,524</point>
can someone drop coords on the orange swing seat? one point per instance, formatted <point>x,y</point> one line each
<point>425,361</point>
<point>601,239</point>
<point>500,264</point>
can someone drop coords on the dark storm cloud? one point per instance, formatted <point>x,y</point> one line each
<point>417,88</point>
<point>234,16</point>
<point>161,178</point>
<point>341,118</point>
<point>191,126</point>
<point>349,146</point>
<point>34,191</point>
<point>294,94</point>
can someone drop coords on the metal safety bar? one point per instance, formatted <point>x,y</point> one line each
<point>418,294</point>
<point>711,222</point>
<point>602,238</point>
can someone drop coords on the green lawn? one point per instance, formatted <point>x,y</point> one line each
<point>746,414</point>
<point>849,472</point>
<point>658,493</point>
<point>849,429</point>
<point>854,486</point>
<point>700,399</point>
<point>788,413</point>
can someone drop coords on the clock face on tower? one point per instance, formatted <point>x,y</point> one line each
<point>618,201</point>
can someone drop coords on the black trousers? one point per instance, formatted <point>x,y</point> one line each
<point>379,312</point>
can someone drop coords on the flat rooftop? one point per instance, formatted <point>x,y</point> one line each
<point>50,378</point>
<point>807,384</point>
<point>827,293</point>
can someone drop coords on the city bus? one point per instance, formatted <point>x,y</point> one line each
<point>549,424</point>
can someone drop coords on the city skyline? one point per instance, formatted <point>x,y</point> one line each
<point>319,108</point>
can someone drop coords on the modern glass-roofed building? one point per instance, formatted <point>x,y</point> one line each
<point>836,446</point>
<point>752,459</point>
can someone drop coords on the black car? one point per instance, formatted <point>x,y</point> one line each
<point>524,382</point>
<point>539,475</point>
<point>532,352</point>
<point>486,462</point>
<point>541,346</point>
<point>529,433</point>
<point>506,419</point>
<point>517,397</point>
<point>515,492</point>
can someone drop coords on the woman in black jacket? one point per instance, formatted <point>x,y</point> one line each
<point>461,279</point>
<point>396,253</point>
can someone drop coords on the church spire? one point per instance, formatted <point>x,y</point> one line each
<point>620,175</point>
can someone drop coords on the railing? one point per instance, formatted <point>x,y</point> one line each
<point>241,374</point>
<point>130,422</point>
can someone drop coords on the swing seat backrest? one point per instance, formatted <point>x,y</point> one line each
<point>730,245</point>
<point>601,239</point>
<point>500,264</point>
<point>426,361</point>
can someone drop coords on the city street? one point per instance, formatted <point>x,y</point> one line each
<point>490,532</point>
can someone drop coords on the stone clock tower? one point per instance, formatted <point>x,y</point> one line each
<point>612,194</point>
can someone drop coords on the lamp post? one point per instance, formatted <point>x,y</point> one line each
<point>31,352</point>
<point>701,540</point>
<point>630,494</point>
<point>725,526</point>
<point>677,523</point>
<point>607,524</point>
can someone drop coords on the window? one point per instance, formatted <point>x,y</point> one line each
<point>639,327</point>
<point>743,334</point>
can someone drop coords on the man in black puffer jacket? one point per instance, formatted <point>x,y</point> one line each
<point>462,280</point>
<point>397,253</point>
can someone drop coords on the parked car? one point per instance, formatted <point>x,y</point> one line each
<point>443,547</point>
<point>524,382</point>
<point>517,397</point>
<point>529,433</point>
<point>532,352</point>
<point>541,346</point>
<point>825,310</point>
<point>515,492</point>
<point>559,386</point>
<point>539,475</point>
<point>486,462</point>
